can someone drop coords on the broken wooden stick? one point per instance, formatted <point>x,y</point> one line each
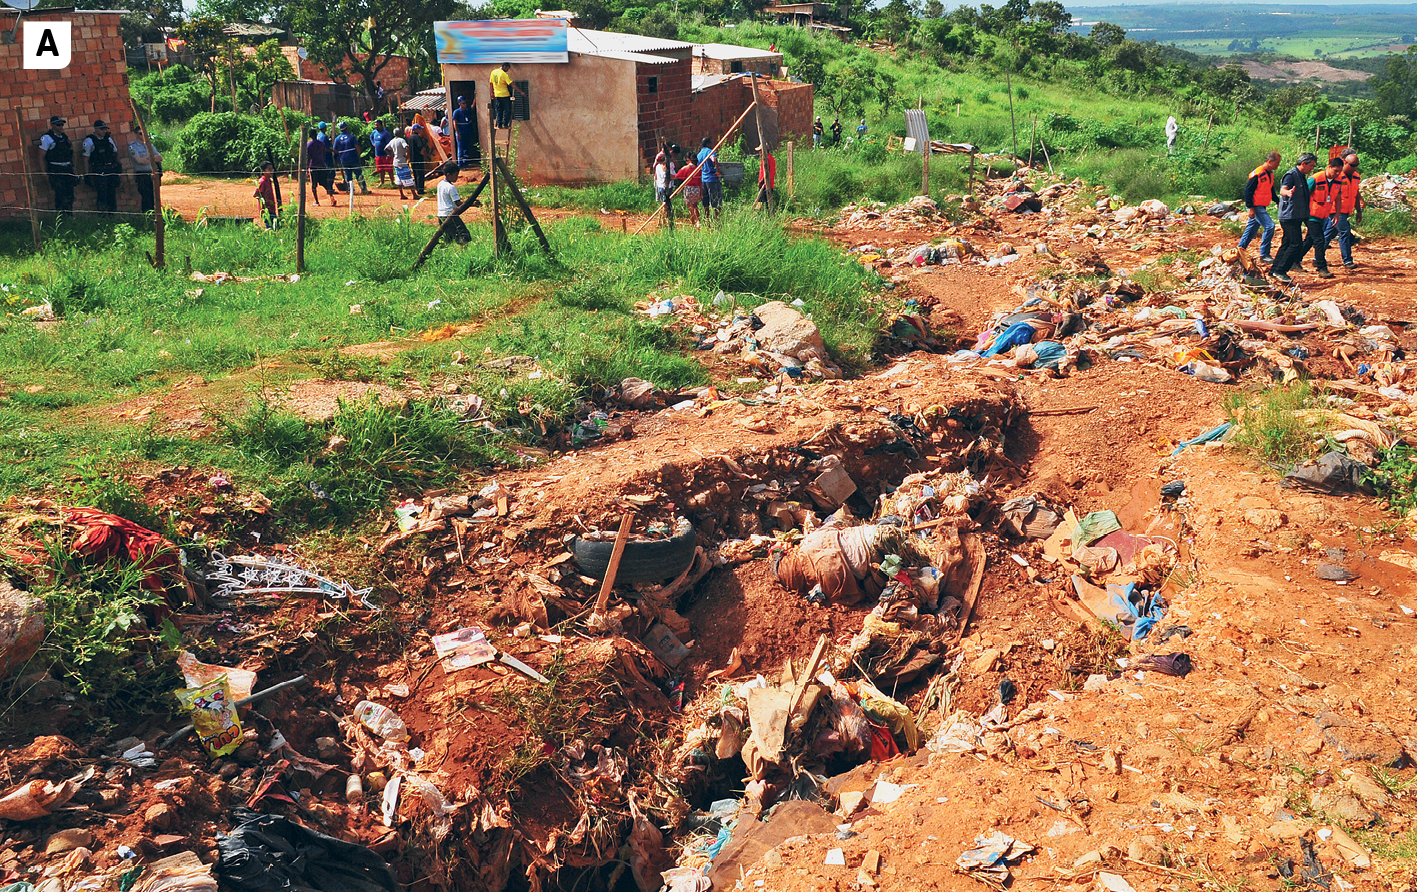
<point>621,537</point>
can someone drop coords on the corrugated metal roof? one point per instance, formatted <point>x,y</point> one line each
<point>601,43</point>
<point>434,100</point>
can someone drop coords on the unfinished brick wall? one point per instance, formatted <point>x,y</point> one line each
<point>765,66</point>
<point>394,74</point>
<point>94,86</point>
<point>787,109</point>
<point>664,114</point>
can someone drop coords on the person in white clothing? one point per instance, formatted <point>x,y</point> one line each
<point>398,154</point>
<point>448,201</point>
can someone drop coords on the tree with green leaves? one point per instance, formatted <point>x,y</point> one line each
<point>255,74</point>
<point>353,39</point>
<point>207,43</point>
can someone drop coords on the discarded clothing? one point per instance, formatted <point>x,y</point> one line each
<point>270,853</point>
<point>1178,665</point>
<point>839,560</point>
<point>1028,517</point>
<point>1013,336</point>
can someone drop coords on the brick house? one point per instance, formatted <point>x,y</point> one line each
<point>394,74</point>
<point>600,116</point>
<point>93,86</point>
<point>719,100</point>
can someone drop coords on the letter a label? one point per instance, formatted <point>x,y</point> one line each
<point>48,44</point>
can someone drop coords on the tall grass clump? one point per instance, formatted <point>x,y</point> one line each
<point>1269,428</point>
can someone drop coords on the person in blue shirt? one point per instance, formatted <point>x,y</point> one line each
<point>323,134</point>
<point>383,163</point>
<point>861,130</point>
<point>347,156</point>
<point>466,135</point>
<point>712,179</point>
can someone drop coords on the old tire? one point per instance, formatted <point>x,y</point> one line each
<point>644,560</point>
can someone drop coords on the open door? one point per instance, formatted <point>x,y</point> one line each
<point>471,154</point>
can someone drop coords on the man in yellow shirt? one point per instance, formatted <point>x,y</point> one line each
<point>502,88</point>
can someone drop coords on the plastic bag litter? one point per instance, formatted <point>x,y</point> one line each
<point>1332,474</point>
<point>197,673</point>
<point>269,853</point>
<point>213,716</point>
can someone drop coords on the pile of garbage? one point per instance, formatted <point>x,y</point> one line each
<point>918,211</point>
<point>1389,192</point>
<point>772,340</point>
<point>1221,322</point>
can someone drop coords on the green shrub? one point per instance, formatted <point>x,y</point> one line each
<point>1396,223</point>
<point>1396,478</point>
<point>1268,428</point>
<point>1403,165</point>
<point>229,143</point>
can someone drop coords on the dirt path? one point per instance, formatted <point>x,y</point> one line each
<point>194,197</point>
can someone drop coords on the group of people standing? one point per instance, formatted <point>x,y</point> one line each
<point>819,132</point>
<point>1325,201</point>
<point>97,164</point>
<point>402,158</point>
<point>702,177</point>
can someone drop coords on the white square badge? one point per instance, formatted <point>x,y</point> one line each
<point>48,44</point>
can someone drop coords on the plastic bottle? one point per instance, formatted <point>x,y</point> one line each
<point>381,720</point>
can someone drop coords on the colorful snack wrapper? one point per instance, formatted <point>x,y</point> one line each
<point>213,715</point>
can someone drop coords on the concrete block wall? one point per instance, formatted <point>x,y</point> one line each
<point>716,107</point>
<point>665,112</point>
<point>95,85</point>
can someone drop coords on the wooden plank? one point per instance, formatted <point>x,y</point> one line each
<point>974,547</point>
<point>621,537</point>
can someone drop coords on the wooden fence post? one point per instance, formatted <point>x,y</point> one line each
<point>300,206</point>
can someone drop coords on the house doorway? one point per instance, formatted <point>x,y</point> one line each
<point>469,155</point>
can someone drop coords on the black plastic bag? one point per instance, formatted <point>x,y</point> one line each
<point>1333,474</point>
<point>270,853</point>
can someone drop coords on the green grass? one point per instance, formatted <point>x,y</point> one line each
<point>126,329</point>
<point>1266,427</point>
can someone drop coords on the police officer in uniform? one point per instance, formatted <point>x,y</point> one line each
<point>101,155</point>
<point>57,154</point>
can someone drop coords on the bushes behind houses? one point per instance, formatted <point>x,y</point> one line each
<point>229,143</point>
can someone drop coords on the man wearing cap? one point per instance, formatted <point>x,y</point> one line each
<point>817,132</point>
<point>317,156</point>
<point>466,135</point>
<point>347,154</point>
<point>56,152</point>
<point>101,158</point>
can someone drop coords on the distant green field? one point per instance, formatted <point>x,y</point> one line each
<point>1302,46</point>
<point>1302,31</point>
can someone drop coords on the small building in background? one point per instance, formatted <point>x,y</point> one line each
<point>323,100</point>
<point>601,115</point>
<point>94,86</point>
<point>725,58</point>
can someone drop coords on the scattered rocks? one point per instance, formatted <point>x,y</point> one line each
<point>160,816</point>
<point>1146,848</point>
<point>21,626</point>
<point>68,841</point>
<point>986,661</point>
